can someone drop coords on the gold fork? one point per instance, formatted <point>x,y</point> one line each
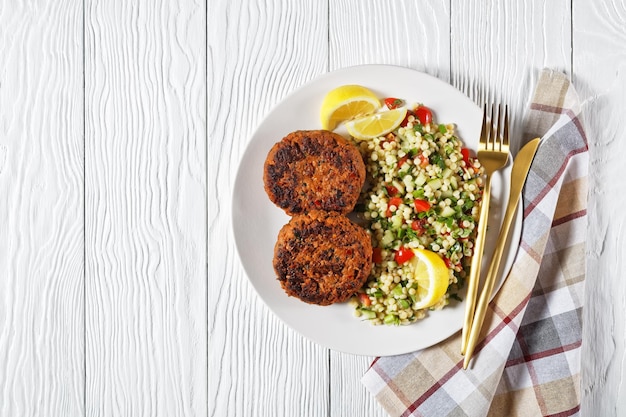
<point>493,153</point>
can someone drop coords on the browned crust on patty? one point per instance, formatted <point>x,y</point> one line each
<point>322,257</point>
<point>314,170</point>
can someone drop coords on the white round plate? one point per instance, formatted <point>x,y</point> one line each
<point>256,221</point>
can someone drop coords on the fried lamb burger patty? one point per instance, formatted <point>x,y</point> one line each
<point>314,170</point>
<point>322,257</point>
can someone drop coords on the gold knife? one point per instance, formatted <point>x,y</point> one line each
<point>521,166</point>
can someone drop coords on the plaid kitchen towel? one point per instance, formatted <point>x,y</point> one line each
<point>528,360</point>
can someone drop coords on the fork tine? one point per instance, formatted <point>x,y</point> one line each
<point>506,127</point>
<point>483,131</point>
<point>494,132</point>
<point>500,129</point>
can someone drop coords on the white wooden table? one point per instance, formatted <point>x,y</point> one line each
<point>121,293</point>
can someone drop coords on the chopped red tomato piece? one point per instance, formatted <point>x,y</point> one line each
<point>424,161</point>
<point>395,201</point>
<point>391,190</point>
<point>418,226</point>
<point>466,155</point>
<point>365,299</point>
<point>393,103</point>
<point>403,160</point>
<point>424,114</point>
<point>406,118</point>
<point>421,205</point>
<point>403,255</point>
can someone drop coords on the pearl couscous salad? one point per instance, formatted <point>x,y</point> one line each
<point>423,193</point>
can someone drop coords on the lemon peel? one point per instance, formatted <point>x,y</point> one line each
<point>345,103</point>
<point>432,277</point>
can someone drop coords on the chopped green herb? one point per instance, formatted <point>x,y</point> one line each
<point>438,160</point>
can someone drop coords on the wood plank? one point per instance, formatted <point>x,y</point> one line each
<point>258,52</point>
<point>41,210</point>
<point>405,33</point>
<point>145,149</point>
<point>498,49</point>
<point>348,396</point>
<point>599,42</point>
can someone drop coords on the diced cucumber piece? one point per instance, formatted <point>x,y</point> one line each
<point>435,184</point>
<point>447,211</point>
<point>447,193</point>
<point>397,290</point>
<point>421,179</point>
<point>399,186</point>
<point>368,314</point>
<point>387,238</point>
<point>396,222</point>
<point>418,193</point>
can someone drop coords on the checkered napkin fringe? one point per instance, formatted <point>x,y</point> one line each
<point>528,362</point>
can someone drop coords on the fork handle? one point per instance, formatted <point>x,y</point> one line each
<point>490,280</point>
<point>474,278</point>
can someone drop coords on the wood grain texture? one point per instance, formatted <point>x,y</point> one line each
<point>258,52</point>
<point>406,33</point>
<point>41,210</point>
<point>348,396</point>
<point>145,175</point>
<point>498,49</point>
<point>600,76</point>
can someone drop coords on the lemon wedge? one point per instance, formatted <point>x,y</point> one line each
<point>376,125</point>
<point>347,102</point>
<point>432,277</point>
